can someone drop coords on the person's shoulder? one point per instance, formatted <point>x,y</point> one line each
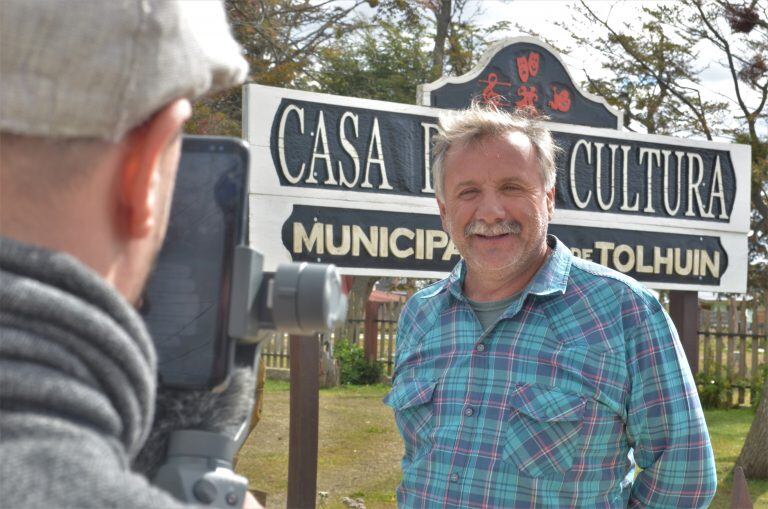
<point>425,304</point>
<point>591,278</point>
<point>431,291</point>
<point>427,297</point>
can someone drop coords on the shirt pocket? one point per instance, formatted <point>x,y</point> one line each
<point>545,430</point>
<point>412,402</point>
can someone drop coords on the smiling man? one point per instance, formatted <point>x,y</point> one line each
<point>527,377</point>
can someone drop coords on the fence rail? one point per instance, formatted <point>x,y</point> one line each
<point>276,352</point>
<point>733,341</point>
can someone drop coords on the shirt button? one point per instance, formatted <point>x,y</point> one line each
<point>454,477</point>
<point>480,347</point>
<point>469,411</point>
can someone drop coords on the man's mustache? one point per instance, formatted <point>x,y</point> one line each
<point>491,230</point>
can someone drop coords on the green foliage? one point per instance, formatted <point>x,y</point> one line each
<point>355,368</point>
<point>281,41</point>
<point>210,121</point>
<point>714,390</point>
<point>281,38</point>
<point>383,62</point>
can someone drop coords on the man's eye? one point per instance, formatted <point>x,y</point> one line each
<point>510,187</point>
<point>468,193</point>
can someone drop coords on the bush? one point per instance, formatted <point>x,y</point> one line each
<point>355,369</point>
<point>714,390</point>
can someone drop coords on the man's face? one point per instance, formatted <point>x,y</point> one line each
<point>496,208</point>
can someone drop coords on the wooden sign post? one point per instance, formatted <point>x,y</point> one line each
<point>303,421</point>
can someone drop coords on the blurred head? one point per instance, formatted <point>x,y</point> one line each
<point>494,180</point>
<point>93,101</point>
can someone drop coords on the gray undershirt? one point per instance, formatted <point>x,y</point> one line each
<point>488,312</point>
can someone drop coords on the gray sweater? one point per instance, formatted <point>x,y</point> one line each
<point>77,387</point>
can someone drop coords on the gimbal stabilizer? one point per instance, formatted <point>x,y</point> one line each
<point>299,298</point>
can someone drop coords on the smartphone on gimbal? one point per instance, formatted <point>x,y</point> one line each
<point>186,301</point>
<point>208,302</point>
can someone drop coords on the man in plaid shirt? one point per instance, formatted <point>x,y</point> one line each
<point>528,377</point>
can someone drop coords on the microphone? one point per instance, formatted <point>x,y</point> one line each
<point>194,438</point>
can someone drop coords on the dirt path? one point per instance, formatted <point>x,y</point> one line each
<point>359,453</point>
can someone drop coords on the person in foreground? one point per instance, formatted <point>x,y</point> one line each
<point>528,377</point>
<point>92,102</point>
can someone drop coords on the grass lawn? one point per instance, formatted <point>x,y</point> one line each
<point>360,448</point>
<point>728,429</point>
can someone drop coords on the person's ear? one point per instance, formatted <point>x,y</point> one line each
<point>145,153</point>
<point>551,203</point>
<point>441,207</point>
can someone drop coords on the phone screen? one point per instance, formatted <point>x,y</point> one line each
<point>186,300</point>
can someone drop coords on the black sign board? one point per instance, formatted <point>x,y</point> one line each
<point>373,239</point>
<point>386,152</point>
<point>522,73</point>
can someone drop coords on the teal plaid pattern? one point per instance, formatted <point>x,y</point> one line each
<point>547,408</point>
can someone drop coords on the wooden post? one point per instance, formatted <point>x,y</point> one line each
<point>740,498</point>
<point>684,310</point>
<point>754,368</point>
<point>733,330</point>
<point>303,425</point>
<point>742,349</point>
<point>719,342</point>
<point>371,333</point>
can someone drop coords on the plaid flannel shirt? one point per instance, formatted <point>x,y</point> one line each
<point>580,380</point>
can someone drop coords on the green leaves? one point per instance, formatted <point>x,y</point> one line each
<point>355,369</point>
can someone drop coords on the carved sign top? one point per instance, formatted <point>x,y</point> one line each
<point>518,73</point>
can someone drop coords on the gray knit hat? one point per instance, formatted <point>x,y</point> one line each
<point>97,68</point>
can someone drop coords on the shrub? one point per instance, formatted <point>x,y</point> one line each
<point>355,369</point>
<point>714,390</point>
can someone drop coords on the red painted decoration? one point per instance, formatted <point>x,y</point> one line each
<point>561,100</point>
<point>490,95</point>
<point>528,95</point>
<point>528,66</point>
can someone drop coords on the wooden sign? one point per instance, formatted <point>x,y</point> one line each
<point>348,181</point>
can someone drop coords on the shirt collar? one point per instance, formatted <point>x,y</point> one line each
<point>551,278</point>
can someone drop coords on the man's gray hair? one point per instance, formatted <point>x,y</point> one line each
<point>467,127</point>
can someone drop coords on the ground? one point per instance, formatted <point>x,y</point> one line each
<point>359,454</point>
<point>360,449</point>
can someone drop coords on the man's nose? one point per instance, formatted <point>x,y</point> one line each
<point>491,209</point>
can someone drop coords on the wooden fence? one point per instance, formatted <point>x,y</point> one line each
<point>733,340</point>
<point>276,353</point>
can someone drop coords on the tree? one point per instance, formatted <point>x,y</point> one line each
<point>656,84</point>
<point>753,458</point>
<point>443,10</point>
<point>390,56</point>
<point>455,37</point>
<point>382,61</point>
<point>281,40</point>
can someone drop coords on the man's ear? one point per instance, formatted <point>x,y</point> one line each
<point>551,203</point>
<point>146,150</point>
<point>441,207</point>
